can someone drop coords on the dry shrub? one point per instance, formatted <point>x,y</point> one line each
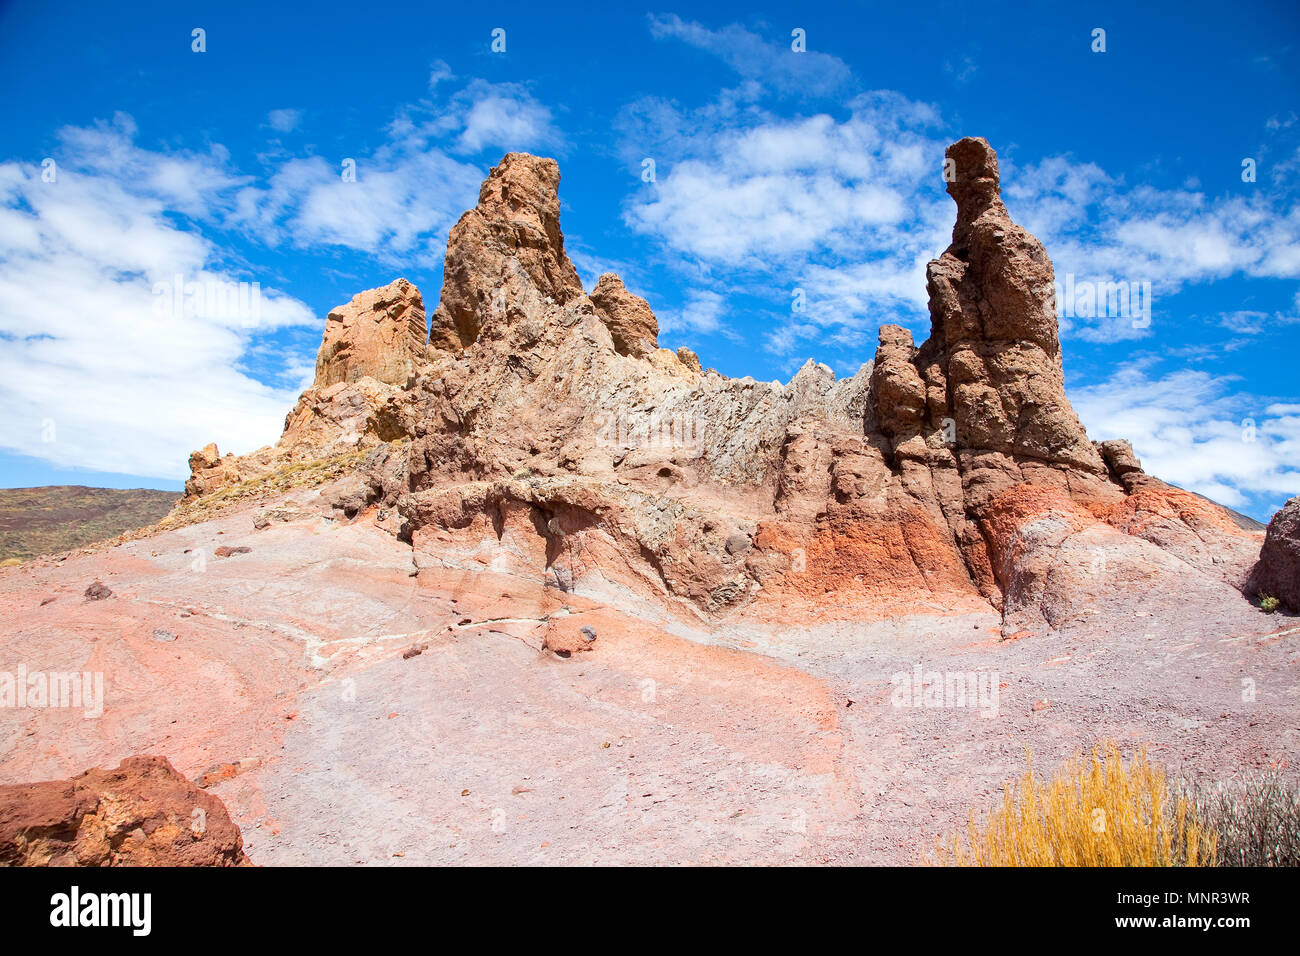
<point>1257,818</point>
<point>1094,811</point>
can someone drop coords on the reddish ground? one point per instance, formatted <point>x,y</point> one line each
<point>351,700</point>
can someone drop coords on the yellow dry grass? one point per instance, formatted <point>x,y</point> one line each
<point>1094,811</point>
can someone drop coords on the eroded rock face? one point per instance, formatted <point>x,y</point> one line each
<point>950,474</point>
<point>509,244</point>
<point>142,814</point>
<point>210,472</point>
<point>1277,574</point>
<point>631,323</point>
<point>380,334</point>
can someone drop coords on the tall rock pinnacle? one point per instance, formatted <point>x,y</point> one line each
<point>515,226</point>
<point>994,329</point>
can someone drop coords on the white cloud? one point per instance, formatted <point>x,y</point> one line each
<point>481,116</point>
<point>772,63</point>
<point>389,210</point>
<point>702,313</point>
<point>847,210</point>
<point>97,369</point>
<point>1187,428</point>
<point>768,190</point>
<point>504,117</point>
<point>284,121</point>
<point>1100,230</point>
<point>400,199</point>
<point>439,72</point>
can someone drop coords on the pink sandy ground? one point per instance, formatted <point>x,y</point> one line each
<point>293,691</point>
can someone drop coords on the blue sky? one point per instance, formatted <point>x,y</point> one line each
<point>774,170</point>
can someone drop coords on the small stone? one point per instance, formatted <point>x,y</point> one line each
<point>737,543</point>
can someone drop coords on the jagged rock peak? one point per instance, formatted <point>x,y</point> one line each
<point>509,245</point>
<point>380,334</point>
<point>631,323</point>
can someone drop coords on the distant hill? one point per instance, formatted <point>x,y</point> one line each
<point>61,517</point>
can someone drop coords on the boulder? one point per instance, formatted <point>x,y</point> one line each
<point>380,334</point>
<point>1277,573</point>
<point>142,814</point>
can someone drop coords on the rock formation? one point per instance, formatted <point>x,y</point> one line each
<point>209,471</point>
<point>380,334</point>
<point>945,474</point>
<point>648,612</point>
<point>631,324</point>
<point>142,814</point>
<point>509,244</point>
<point>1277,573</point>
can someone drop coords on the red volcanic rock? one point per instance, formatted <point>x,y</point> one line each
<point>97,591</point>
<point>1277,573</point>
<point>380,334</point>
<point>142,814</point>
